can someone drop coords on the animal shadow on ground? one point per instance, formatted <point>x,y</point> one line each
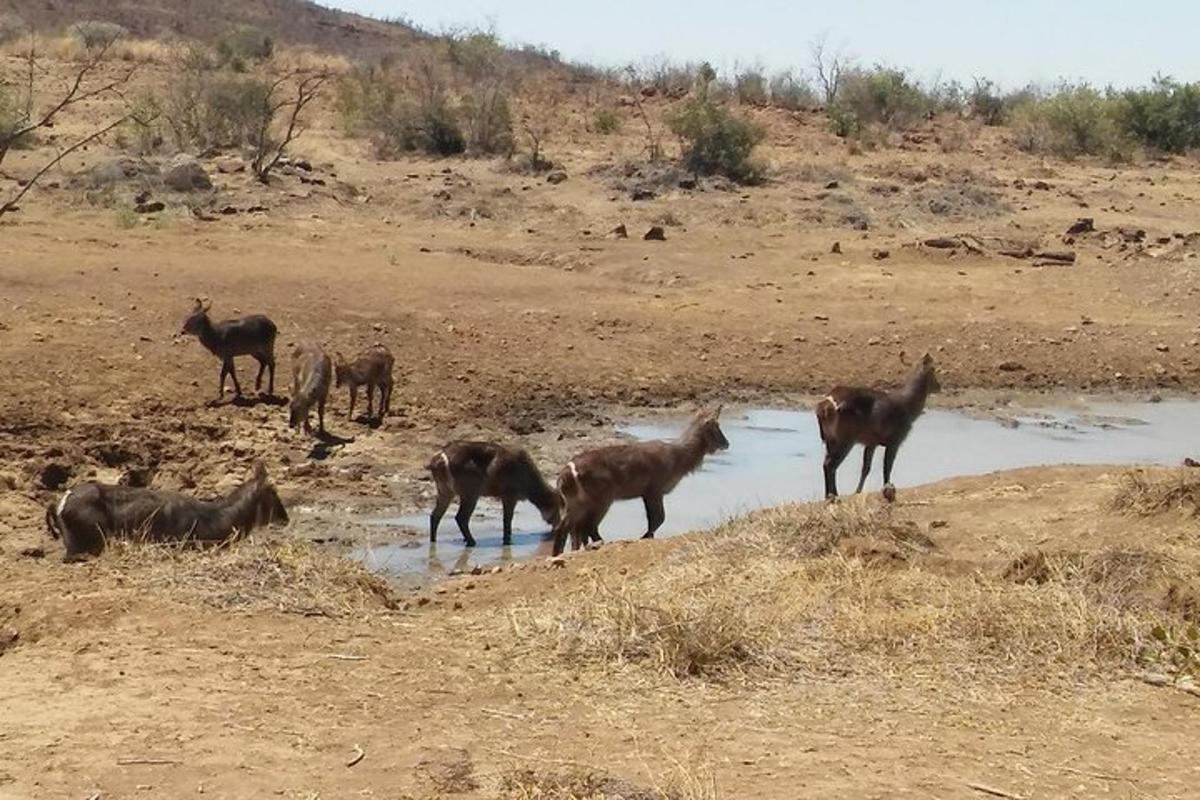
<point>326,443</point>
<point>371,422</point>
<point>248,401</point>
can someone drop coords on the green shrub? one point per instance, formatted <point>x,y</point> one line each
<point>142,133</point>
<point>986,104</point>
<point>371,102</point>
<point>244,45</point>
<point>1075,120</point>
<point>12,28</point>
<point>216,110</point>
<point>487,120</point>
<point>606,121</point>
<point>881,96</point>
<point>750,87</point>
<point>95,33</point>
<point>789,92</point>
<point>1164,116</point>
<point>716,142</point>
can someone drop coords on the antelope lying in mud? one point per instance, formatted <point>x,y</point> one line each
<point>852,415</point>
<point>371,368</point>
<point>312,373</point>
<point>245,336</point>
<point>91,513</point>
<point>470,470</point>
<point>593,480</point>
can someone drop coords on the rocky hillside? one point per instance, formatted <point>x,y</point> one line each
<point>292,21</point>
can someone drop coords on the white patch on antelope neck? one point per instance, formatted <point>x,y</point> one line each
<point>62,503</point>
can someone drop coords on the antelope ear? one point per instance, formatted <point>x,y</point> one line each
<point>716,412</point>
<point>260,473</point>
<point>199,305</point>
<point>927,360</point>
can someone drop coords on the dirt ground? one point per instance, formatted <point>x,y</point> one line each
<point>514,314</point>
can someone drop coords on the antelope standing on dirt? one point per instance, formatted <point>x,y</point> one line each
<point>89,514</point>
<point>245,336</point>
<point>872,418</point>
<point>371,368</point>
<point>592,481</point>
<point>312,374</point>
<point>470,470</point>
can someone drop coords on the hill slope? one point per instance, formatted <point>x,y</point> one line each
<point>292,21</point>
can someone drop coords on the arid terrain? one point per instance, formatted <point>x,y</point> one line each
<point>923,651</point>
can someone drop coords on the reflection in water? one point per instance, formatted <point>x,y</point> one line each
<point>775,457</point>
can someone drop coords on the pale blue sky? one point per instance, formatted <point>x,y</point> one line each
<point>1012,41</point>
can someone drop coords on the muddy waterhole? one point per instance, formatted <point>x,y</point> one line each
<point>775,457</point>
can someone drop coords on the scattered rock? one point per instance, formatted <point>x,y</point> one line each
<point>556,177</point>
<point>1081,226</point>
<point>942,243</point>
<point>836,249</point>
<point>656,234</point>
<point>1056,256</point>
<point>619,232</point>
<point>117,170</point>
<point>185,174</point>
<point>880,255</point>
<point>687,184</point>
<point>1010,366</point>
<point>150,208</point>
<point>230,166</point>
<point>642,193</point>
<point>832,185</point>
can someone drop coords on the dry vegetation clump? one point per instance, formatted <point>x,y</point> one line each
<point>289,575</point>
<point>1142,495</point>
<point>579,784</point>
<point>774,593</point>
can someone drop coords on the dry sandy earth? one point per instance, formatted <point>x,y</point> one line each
<point>513,315</point>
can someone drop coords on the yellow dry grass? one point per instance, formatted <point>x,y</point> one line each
<point>772,594</point>
<point>1143,495</point>
<point>288,575</point>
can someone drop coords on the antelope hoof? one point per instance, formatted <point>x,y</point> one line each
<point>889,493</point>
<point>469,543</point>
<point>647,535</point>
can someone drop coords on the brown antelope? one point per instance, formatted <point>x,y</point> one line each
<point>593,480</point>
<point>245,336</point>
<point>371,368</point>
<point>89,514</point>
<point>872,418</point>
<point>470,470</point>
<point>312,373</point>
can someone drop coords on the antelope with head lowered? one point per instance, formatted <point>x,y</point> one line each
<point>245,336</point>
<point>371,368</point>
<point>312,372</point>
<point>91,513</point>
<point>592,481</point>
<point>470,470</point>
<point>872,418</point>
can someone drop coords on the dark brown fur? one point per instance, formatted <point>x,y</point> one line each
<point>371,368</point>
<point>853,415</point>
<point>312,374</point>
<point>91,513</point>
<point>245,336</point>
<point>592,481</point>
<point>470,470</point>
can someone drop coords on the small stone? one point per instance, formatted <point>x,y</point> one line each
<point>836,249</point>
<point>655,234</point>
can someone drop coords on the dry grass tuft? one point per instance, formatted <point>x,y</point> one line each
<point>290,575</point>
<point>772,594</point>
<point>1139,494</point>
<point>71,49</point>
<point>580,784</point>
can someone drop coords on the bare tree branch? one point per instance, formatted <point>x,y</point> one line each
<point>829,66</point>
<point>268,154</point>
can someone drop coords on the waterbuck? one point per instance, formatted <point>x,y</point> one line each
<point>312,373</point>
<point>371,368</point>
<point>470,470</point>
<point>872,418</point>
<point>245,336</point>
<point>89,514</point>
<point>593,480</point>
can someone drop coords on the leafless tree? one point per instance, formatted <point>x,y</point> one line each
<point>653,147</point>
<point>829,65</point>
<point>82,86</point>
<point>269,149</point>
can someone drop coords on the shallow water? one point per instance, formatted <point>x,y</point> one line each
<point>775,457</point>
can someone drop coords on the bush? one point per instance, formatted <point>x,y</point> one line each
<point>882,96</point>
<point>715,142</point>
<point>1165,116</point>
<point>606,121</point>
<point>791,93</point>
<point>94,34</point>
<point>12,28</point>
<point>371,102</point>
<point>986,104</point>
<point>1076,120</point>
<point>142,133</point>
<point>204,111</point>
<point>243,45</point>
<point>750,87</point>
